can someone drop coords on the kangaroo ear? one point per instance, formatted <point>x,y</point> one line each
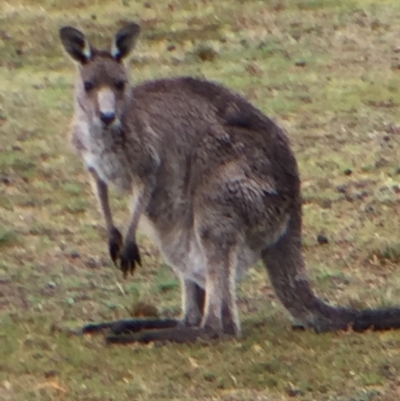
<point>75,44</point>
<point>125,40</point>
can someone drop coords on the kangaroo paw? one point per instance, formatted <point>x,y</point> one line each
<point>129,257</point>
<point>115,243</point>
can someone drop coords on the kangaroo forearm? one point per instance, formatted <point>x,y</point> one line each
<point>139,204</point>
<point>101,190</point>
<point>102,194</point>
<point>115,241</point>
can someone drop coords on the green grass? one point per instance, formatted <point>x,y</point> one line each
<point>326,71</point>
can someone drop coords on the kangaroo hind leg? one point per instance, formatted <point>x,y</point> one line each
<point>193,298</point>
<point>220,308</point>
<point>207,313</point>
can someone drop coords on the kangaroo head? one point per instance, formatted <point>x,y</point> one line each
<point>103,79</point>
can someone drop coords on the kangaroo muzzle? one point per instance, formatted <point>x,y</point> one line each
<point>106,104</point>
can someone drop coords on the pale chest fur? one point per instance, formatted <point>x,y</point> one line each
<point>102,151</point>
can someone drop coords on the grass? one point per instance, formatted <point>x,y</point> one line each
<point>329,73</point>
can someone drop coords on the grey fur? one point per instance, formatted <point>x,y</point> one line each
<point>212,180</point>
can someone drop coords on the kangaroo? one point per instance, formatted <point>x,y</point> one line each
<point>214,183</point>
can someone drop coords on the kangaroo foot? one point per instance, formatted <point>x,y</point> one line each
<point>119,327</point>
<point>175,335</point>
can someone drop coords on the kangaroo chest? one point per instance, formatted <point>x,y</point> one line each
<point>103,150</point>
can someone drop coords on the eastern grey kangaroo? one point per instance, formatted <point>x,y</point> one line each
<point>215,184</point>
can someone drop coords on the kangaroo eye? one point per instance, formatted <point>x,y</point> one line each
<point>119,84</point>
<point>88,85</point>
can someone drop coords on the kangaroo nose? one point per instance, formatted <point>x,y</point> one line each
<point>107,118</point>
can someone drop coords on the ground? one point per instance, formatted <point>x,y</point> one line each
<point>328,72</point>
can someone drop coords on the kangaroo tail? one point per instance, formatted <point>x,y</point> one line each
<point>376,319</point>
<point>285,266</point>
<point>356,320</point>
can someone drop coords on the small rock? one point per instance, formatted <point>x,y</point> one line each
<point>322,239</point>
<point>326,204</point>
<point>74,254</point>
<point>7,181</point>
<point>381,163</point>
<point>55,328</point>
<point>386,371</point>
<point>5,35</point>
<point>171,48</point>
<point>50,374</point>
<point>298,327</point>
<point>361,194</point>
<point>91,263</point>
<point>369,209</point>
<point>294,392</point>
<point>205,53</point>
<point>142,309</point>
<point>208,376</point>
<point>51,284</point>
<point>300,63</point>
